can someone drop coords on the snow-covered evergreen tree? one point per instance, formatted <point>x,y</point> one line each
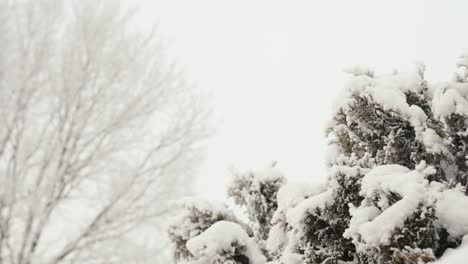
<point>450,106</point>
<point>387,120</point>
<point>196,216</point>
<point>382,120</point>
<point>395,191</point>
<point>256,191</point>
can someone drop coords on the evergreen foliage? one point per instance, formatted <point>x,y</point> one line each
<point>397,178</point>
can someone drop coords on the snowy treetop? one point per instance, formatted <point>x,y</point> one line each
<point>396,190</point>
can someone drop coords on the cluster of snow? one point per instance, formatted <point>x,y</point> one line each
<point>292,193</point>
<point>387,91</point>
<point>375,225</point>
<point>450,98</point>
<point>452,211</point>
<point>431,140</point>
<point>277,238</point>
<point>289,196</point>
<point>220,238</point>
<point>348,171</point>
<point>295,216</point>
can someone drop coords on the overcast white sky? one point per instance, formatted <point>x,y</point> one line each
<point>275,68</point>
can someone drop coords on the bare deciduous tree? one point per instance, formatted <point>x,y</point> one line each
<point>97,131</point>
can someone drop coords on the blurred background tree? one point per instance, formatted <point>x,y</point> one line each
<point>99,131</point>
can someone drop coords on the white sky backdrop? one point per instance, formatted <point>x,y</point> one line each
<point>275,68</point>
